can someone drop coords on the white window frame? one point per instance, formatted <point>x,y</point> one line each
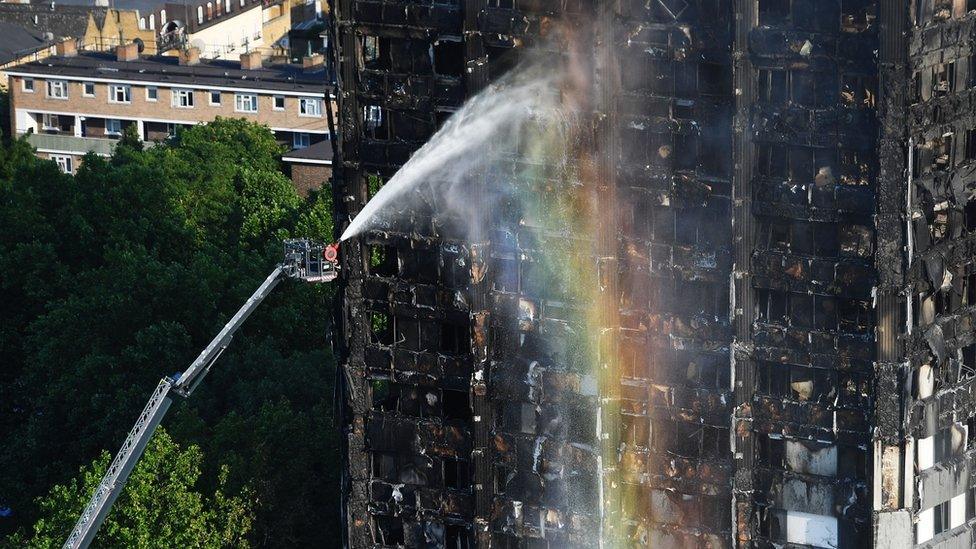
<point>183,98</point>
<point>50,122</point>
<point>274,102</point>
<point>84,89</point>
<point>113,94</point>
<point>300,140</point>
<point>61,85</point>
<point>210,98</point>
<point>155,89</point>
<point>810,529</point>
<point>957,511</point>
<point>239,102</point>
<point>23,85</point>
<point>64,161</point>
<point>112,132</point>
<point>303,107</point>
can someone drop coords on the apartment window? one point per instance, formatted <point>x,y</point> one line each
<point>183,99</point>
<point>941,518</point>
<point>152,93</point>
<point>50,122</point>
<point>89,89</point>
<point>199,14</point>
<point>28,85</point>
<point>373,120</point>
<point>279,102</point>
<point>214,98</point>
<point>113,126</point>
<point>773,86</point>
<point>300,140</point>
<point>63,162</point>
<point>120,93</point>
<point>245,102</point>
<point>57,89</point>
<point>449,58</point>
<point>309,106</point>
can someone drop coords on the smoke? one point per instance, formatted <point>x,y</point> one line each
<point>443,173</point>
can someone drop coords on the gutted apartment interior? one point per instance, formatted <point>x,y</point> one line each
<point>804,337</point>
<point>785,352</point>
<point>407,307</point>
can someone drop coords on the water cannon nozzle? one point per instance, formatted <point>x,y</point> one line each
<point>331,252</point>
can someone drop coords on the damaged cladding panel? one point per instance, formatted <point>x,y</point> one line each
<point>940,347</point>
<point>792,189</point>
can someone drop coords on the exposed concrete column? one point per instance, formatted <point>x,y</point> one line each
<point>892,446</point>
<point>141,128</point>
<point>79,120</point>
<point>475,79</point>
<point>742,362</point>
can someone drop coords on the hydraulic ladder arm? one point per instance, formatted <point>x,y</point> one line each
<point>304,260</point>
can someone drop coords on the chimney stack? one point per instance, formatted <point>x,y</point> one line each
<point>251,60</point>
<point>127,52</point>
<point>190,56</point>
<point>66,48</point>
<point>312,63</point>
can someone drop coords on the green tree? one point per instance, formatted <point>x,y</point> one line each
<point>120,274</point>
<point>159,507</point>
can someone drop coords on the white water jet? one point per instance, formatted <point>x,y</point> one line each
<point>461,145</point>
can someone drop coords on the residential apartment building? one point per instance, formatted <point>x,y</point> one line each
<point>787,289</point>
<point>222,29</point>
<point>79,102</point>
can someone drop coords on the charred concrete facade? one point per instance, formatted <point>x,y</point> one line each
<point>785,355</point>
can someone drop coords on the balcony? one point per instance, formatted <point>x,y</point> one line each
<point>70,144</point>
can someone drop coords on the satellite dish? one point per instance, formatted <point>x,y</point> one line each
<point>140,44</point>
<point>48,36</point>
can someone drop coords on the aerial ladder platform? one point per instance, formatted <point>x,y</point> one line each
<point>304,260</point>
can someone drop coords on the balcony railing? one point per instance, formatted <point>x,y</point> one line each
<point>74,145</point>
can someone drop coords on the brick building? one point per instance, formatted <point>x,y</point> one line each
<point>787,351</point>
<point>76,102</point>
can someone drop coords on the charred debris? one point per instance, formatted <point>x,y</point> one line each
<point>786,275</point>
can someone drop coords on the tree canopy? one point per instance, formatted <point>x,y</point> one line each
<point>120,274</point>
<point>159,507</point>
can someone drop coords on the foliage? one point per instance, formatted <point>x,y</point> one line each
<point>159,507</point>
<point>120,274</point>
